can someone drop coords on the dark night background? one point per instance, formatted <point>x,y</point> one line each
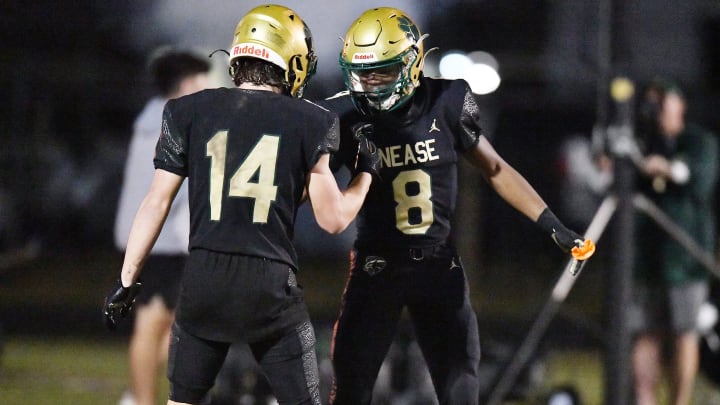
<point>73,79</point>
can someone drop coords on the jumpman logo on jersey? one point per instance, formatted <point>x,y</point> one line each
<point>433,126</point>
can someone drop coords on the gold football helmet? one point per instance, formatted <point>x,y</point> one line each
<point>382,59</point>
<point>278,35</point>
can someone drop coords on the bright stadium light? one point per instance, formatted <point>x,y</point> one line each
<point>483,79</point>
<point>483,76</point>
<point>453,65</point>
<point>483,58</point>
<point>479,69</point>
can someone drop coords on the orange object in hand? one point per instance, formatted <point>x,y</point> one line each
<point>584,250</point>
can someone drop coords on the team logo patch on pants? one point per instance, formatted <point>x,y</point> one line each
<point>374,265</point>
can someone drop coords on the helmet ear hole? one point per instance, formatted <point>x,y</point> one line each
<point>291,76</point>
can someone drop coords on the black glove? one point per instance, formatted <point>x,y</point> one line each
<point>368,158</point>
<point>119,303</point>
<point>563,237</point>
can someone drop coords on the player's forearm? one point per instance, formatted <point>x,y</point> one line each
<point>335,210</point>
<point>354,196</point>
<point>145,229</point>
<point>516,191</point>
<point>347,204</point>
<point>506,181</point>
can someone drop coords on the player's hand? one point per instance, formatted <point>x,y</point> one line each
<point>368,157</point>
<point>119,303</point>
<point>565,238</point>
<point>582,251</point>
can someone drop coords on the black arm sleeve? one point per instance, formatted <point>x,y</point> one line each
<point>470,130</point>
<point>171,148</point>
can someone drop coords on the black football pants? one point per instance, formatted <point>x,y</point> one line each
<point>432,285</point>
<point>288,362</point>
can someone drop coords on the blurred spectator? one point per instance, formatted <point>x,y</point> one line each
<point>586,178</point>
<point>678,173</point>
<point>710,329</point>
<point>175,73</point>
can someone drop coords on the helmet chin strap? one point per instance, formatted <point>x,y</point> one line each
<point>387,104</point>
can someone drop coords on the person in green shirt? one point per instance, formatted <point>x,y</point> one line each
<point>678,174</point>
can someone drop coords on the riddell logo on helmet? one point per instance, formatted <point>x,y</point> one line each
<point>250,50</point>
<point>364,57</point>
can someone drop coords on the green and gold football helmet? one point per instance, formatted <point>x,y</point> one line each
<point>278,35</point>
<point>382,59</point>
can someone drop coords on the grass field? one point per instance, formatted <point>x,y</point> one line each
<point>80,372</point>
<point>63,371</point>
<point>72,371</point>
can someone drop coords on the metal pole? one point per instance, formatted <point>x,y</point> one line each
<point>604,60</point>
<point>676,232</point>
<point>618,288</point>
<point>618,375</point>
<point>559,293</point>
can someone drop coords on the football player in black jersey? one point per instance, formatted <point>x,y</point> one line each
<point>402,256</point>
<point>250,154</point>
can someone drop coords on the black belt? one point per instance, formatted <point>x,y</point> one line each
<point>419,254</point>
<point>375,259</point>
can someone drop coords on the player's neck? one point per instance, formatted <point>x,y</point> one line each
<point>265,87</point>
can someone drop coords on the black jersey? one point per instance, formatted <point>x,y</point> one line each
<point>247,155</point>
<point>413,203</point>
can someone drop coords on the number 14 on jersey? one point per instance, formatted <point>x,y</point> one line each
<point>262,159</point>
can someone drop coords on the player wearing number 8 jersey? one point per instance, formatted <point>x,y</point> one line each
<point>413,204</point>
<point>250,154</point>
<point>403,257</point>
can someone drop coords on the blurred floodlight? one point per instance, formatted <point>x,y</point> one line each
<point>483,79</point>
<point>453,65</point>
<point>483,58</point>
<point>478,68</point>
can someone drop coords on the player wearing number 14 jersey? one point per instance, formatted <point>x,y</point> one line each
<point>250,154</point>
<point>403,257</point>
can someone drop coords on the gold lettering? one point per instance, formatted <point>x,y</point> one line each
<point>431,149</point>
<point>409,157</point>
<point>395,152</point>
<point>404,155</point>
<point>385,157</point>
<point>421,152</point>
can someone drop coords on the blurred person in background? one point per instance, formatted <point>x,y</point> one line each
<point>252,154</point>
<point>175,73</point>
<point>679,174</point>
<point>403,255</point>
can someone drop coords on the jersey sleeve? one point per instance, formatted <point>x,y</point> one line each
<point>171,149</point>
<point>470,130</point>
